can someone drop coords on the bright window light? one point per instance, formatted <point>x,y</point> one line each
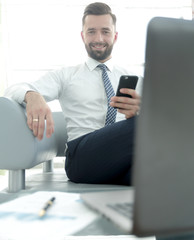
<point>42,35</point>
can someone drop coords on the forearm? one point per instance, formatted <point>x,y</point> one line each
<point>17,92</point>
<point>48,86</point>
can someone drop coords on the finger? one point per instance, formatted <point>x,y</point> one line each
<point>41,127</point>
<point>29,121</point>
<point>124,106</point>
<point>35,123</point>
<point>49,125</point>
<point>124,103</point>
<point>124,100</point>
<point>128,114</point>
<point>130,92</point>
<point>127,91</point>
<point>131,112</point>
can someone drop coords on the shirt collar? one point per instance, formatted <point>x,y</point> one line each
<point>92,64</point>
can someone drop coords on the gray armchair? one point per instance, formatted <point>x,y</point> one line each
<point>20,150</point>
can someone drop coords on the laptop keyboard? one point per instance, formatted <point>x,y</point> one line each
<point>125,209</point>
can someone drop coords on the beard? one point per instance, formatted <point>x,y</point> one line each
<point>99,55</point>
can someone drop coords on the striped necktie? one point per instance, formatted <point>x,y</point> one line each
<point>111,112</point>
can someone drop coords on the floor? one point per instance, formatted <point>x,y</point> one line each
<point>36,180</point>
<point>34,172</point>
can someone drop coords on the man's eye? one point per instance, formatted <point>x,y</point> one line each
<point>106,32</point>
<point>91,32</point>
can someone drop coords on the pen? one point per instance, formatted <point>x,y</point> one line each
<point>45,208</point>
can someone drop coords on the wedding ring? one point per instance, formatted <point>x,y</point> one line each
<point>35,120</point>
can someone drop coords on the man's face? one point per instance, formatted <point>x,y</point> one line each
<point>99,36</point>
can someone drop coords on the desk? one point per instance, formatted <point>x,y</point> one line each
<point>58,181</point>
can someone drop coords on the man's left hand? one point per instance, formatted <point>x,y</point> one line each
<point>125,105</point>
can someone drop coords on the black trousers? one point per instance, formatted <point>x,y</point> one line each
<point>103,156</point>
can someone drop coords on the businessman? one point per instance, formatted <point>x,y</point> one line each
<point>100,125</point>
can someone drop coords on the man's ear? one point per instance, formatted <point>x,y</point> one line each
<point>116,36</point>
<point>82,35</point>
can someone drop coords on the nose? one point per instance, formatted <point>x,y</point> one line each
<point>99,37</point>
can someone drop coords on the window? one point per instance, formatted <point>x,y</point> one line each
<point>2,60</point>
<point>42,35</point>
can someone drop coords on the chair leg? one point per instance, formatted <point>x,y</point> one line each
<point>48,166</point>
<point>16,180</point>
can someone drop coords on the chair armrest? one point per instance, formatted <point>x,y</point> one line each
<point>19,149</point>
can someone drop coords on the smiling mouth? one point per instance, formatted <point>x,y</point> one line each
<point>98,46</point>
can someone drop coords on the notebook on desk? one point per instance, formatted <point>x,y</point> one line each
<point>163,174</point>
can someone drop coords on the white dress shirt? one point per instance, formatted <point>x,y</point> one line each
<point>81,94</point>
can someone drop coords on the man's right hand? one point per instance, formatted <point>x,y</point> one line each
<point>37,112</point>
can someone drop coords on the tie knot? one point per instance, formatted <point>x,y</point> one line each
<point>102,67</point>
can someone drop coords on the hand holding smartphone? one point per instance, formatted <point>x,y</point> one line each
<point>126,81</point>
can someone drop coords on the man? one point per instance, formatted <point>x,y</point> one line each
<point>96,153</point>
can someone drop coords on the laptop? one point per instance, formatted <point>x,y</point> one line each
<point>162,197</point>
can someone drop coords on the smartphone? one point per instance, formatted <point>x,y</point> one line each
<point>126,81</point>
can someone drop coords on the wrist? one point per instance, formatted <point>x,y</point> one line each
<point>30,95</point>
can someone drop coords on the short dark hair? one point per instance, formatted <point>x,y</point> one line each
<point>98,8</point>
